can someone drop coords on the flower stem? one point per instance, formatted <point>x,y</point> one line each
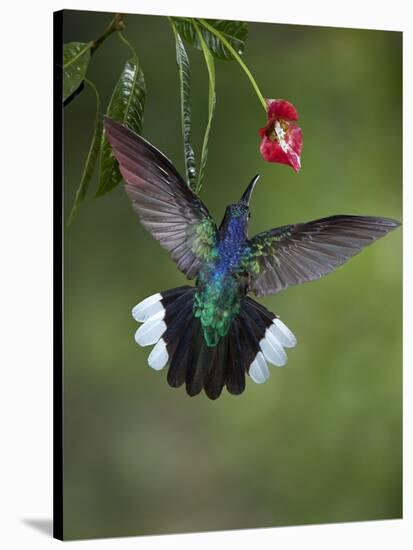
<point>117,24</point>
<point>127,43</point>
<point>236,55</point>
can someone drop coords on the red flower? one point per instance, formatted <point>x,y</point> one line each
<point>281,141</point>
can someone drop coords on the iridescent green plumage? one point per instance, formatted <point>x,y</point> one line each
<point>204,240</point>
<point>216,303</point>
<point>258,248</point>
<point>220,283</point>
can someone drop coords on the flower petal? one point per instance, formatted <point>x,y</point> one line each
<point>262,131</point>
<point>295,138</point>
<point>286,151</point>
<point>294,143</point>
<point>281,141</point>
<point>271,151</point>
<point>281,109</point>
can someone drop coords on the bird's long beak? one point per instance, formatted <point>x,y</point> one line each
<point>247,194</point>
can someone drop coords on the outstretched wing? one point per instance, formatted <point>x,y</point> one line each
<point>166,206</point>
<point>295,254</point>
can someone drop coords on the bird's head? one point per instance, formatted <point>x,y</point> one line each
<point>239,213</point>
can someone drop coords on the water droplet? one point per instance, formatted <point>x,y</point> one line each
<point>240,52</point>
<point>192,172</point>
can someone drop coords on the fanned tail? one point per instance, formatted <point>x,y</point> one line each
<point>256,337</point>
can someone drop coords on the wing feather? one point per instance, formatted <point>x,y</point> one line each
<point>294,254</point>
<point>166,206</point>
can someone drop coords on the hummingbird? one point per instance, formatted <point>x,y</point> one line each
<point>214,334</point>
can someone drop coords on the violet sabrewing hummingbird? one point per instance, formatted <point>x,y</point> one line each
<point>213,334</point>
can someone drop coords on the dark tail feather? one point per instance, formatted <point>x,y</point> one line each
<point>215,380</point>
<point>190,360</point>
<point>199,365</point>
<point>178,319</point>
<point>256,337</point>
<point>256,317</point>
<point>180,356</point>
<point>235,374</point>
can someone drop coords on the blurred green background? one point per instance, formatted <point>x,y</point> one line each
<point>321,440</point>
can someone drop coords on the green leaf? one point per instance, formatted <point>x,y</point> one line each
<point>126,105</point>
<point>76,57</point>
<point>234,32</point>
<point>209,60</point>
<point>185,89</point>
<point>91,158</point>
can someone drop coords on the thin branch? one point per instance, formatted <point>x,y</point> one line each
<point>117,24</point>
